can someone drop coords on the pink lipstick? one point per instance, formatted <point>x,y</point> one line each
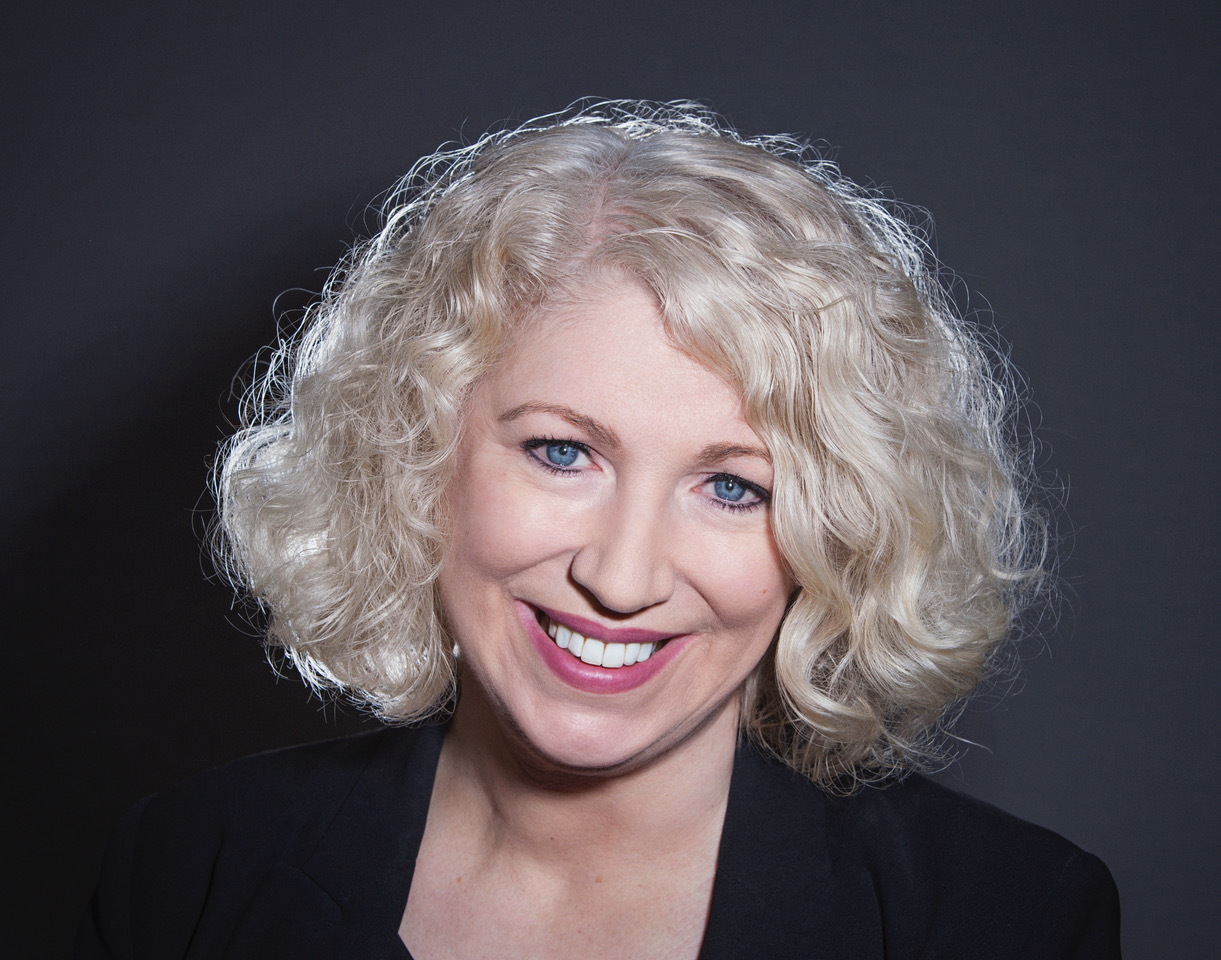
<point>592,677</point>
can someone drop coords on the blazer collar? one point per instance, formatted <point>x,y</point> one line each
<point>365,860</point>
<point>777,891</point>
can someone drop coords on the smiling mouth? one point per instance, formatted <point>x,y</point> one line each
<point>597,653</point>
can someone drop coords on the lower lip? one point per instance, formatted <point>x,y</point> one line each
<point>587,677</point>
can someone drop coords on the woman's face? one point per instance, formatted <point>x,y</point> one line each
<point>609,499</point>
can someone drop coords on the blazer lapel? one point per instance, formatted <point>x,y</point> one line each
<point>778,893</point>
<point>347,897</point>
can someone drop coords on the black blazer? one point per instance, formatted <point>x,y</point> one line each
<point>309,852</point>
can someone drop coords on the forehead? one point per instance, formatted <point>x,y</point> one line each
<point>619,314</point>
<point>605,349</point>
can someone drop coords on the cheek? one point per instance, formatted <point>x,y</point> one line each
<point>746,582</point>
<point>496,528</point>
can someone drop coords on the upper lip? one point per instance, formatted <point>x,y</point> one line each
<point>597,631</point>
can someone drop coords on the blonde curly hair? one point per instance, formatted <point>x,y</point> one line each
<point>900,502</point>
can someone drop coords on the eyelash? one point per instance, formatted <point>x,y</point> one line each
<point>537,443</point>
<point>764,497</point>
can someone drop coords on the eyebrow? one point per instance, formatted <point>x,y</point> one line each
<point>601,433</point>
<point>715,453</point>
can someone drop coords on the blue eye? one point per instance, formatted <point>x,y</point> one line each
<point>562,454</point>
<point>733,493</point>
<point>559,456</point>
<point>729,488</point>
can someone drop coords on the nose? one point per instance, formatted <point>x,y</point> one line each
<point>624,562</point>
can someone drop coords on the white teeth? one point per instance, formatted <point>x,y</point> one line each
<point>595,652</point>
<point>614,654</point>
<point>592,650</point>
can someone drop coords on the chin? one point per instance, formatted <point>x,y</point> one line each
<point>594,746</point>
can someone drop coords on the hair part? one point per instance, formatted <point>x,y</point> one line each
<point>901,499</point>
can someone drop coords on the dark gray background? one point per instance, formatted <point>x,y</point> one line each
<point>171,169</point>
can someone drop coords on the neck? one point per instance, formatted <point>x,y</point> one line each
<point>516,802</point>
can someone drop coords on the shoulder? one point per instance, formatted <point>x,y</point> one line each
<point>973,879</point>
<point>206,845</point>
<point>291,782</point>
<point>917,870</point>
<point>266,801</point>
<point>947,826</point>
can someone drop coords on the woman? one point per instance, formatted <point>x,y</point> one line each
<point>657,462</point>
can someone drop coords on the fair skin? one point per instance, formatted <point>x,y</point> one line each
<point>607,485</point>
